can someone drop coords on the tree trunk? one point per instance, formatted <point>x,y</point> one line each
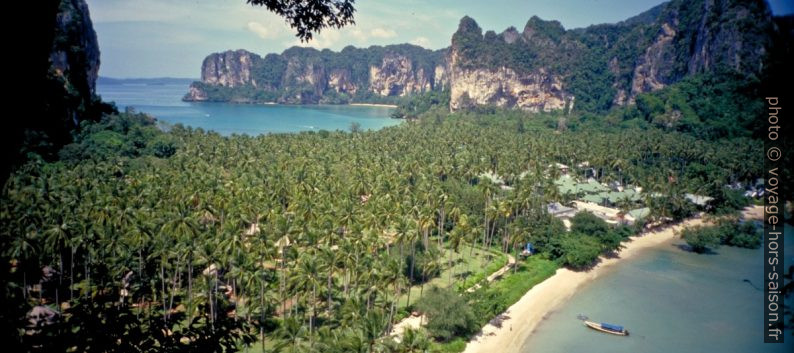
<point>71,276</point>
<point>411,274</point>
<point>162,291</point>
<point>330,304</point>
<point>262,313</point>
<point>190,287</point>
<point>422,286</point>
<point>174,282</point>
<point>314,313</point>
<point>449,264</point>
<point>209,301</point>
<point>441,224</point>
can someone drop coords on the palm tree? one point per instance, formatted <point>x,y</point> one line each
<point>329,259</point>
<point>456,237</point>
<point>414,341</point>
<point>307,276</point>
<point>291,337</point>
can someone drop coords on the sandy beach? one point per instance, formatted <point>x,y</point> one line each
<point>545,297</point>
<point>374,105</point>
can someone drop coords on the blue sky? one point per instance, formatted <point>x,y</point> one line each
<point>157,38</point>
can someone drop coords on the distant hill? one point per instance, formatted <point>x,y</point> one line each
<point>144,81</point>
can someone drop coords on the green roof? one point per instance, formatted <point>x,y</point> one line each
<point>567,185</point>
<point>640,213</point>
<point>616,196</point>
<point>594,198</point>
<point>592,186</point>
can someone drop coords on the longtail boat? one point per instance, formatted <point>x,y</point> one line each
<point>608,328</point>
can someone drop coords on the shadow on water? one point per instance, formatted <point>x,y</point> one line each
<point>752,284</point>
<point>687,248</point>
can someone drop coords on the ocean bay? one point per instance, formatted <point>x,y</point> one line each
<point>670,300</point>
<point>163,101</point>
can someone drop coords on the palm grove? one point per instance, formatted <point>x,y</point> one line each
<point>186,240</point>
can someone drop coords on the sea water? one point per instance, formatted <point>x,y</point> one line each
<point>670,300</point>
<point>164,101</point>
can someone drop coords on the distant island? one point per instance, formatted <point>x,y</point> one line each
<point>102,80</point>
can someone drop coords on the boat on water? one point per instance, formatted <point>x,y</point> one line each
<point>608,328</point>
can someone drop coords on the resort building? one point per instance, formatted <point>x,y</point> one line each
<point>564,213</point>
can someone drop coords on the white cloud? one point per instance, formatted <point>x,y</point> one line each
<point>358,34</point>
<point>326,39</point>
<point>382,33</point>
<point>421,41</point>
<point>261,30</point>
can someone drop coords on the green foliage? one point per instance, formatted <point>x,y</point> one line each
<point>494,265</point>
<point>589,224</point>
<point>494,299</point>
<point>727,232</point>
<point>578,252</point>
<point>162,146</point>
<point>702,239</point>
<point>421,103</point>
<point>456,345</point>
<point>729,201</point>
<point>672,204</point>
<point>122,209</point>
<point>414,340</point>
<point>423,261</point>
<point>126,135</point>
<point>713,105</point>
<point>543,232</point>
<point>740,234</point>
<point>448,314</point>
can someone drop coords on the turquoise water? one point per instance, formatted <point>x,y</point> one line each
<point>164,102</point>
<point>671,301</point>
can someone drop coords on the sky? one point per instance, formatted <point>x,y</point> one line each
<point>170,38</point>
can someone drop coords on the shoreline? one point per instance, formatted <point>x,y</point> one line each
<point>373,105</point>
<point>545,297</point>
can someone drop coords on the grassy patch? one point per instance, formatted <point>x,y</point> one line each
<point>453,346</point>
<point>498,262</point>
<point>529,273</point>
<point>495,298</point>
<point>465,269</point>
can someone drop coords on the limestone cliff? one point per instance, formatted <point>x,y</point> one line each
<point>545,65</point>
<point>704,36</point>
<point>496,83</point>
<point>304,75</point>
<point>54,75</point>
<point>395,76</point>
<point>229,69</point>
<point>503,87</point>
<point>651,71</point>
<point>74,57</point>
